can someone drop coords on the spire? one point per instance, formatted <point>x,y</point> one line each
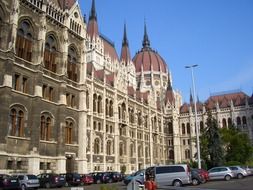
<point>125,53</point>
<point>169,86</point>
<point>145,42</point>
<point>93,14</point>
<point>92,28</point>
<point>125,41</point>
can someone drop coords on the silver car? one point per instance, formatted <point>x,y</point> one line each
<point>238,171</point>
<point>28,181</point>
<point>220,173</point>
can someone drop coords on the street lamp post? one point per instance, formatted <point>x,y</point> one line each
<point>195,108</point>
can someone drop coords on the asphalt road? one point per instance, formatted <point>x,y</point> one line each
<point>234,184</point>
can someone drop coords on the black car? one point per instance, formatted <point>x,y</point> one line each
<point>114,177</point>
<point>8,182</point>
<point>71,179</point>
<point>100,177</point>
<point>49,180</point>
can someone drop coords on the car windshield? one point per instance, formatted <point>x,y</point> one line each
<point>31,177</point>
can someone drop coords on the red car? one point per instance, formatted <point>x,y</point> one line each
<point>204,174</point>
<point>86,179</point>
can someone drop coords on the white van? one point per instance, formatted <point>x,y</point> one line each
<point>176,175</point>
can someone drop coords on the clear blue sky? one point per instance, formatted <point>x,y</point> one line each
<point>215,34</point>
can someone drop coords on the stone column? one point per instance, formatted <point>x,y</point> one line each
<point>82,134</point>
<point>61,165</point>
<point>34,162</point>
<point>176,139</point>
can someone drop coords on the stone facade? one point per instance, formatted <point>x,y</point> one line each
<point>69,103</point>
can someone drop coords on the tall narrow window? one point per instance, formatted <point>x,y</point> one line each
<point>50,94</point>
<point>188,128</point>
<point>24,40</point>
<point>17,122</point>
<point>13,122</point>
<point>24,85</point>
<point>72,64</point>
<point>68,132</point>
<point>224,123</point>
<point>50,54</point>
<point>170,130</point>
<point>16,84</point>
<point>183,128</point>
<point>108,148</point>
<point>87,100</point>
<point>238,121</point>
<point>45,127</point>
<point>44,91</point>
<point>96,146</point>
<point>244,121</point>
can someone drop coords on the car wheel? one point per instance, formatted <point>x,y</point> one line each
<point>239,176</point>
<point>98,181</point>
<point>47,185</point>
<point>227,177</point>
<point>23,187</point>
<point>66,184</point>
<point>110,181</point>
<point>82,183</point>
<point>177,183</point>
<point>195,181</point>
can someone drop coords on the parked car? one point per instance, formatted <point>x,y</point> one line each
<point>198,176</point>
<point>220,173</point>
<point>114,177</point>
<point>8,182</point>
<point>49,180</point>
<point>238,171</point>
<point>138,176</point>
<point>176,175</point>
<point>100,177</point>
<point>27,181</point>
<point>71,179</point>
<point>86,179</point>
<point>248,169</point>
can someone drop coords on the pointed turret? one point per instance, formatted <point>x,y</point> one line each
<point>169,85</point>
<point>92,28</point>
<point>125,53</point>
<point>145,42</point>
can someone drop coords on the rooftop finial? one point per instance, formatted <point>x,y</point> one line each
<point>93,14</point>
<point>125,41</point>
<point>145,42</point>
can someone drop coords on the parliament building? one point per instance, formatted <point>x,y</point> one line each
<point>70,103</point>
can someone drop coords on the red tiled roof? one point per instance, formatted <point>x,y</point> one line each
<point>185,108</point>
<point>150,61</point>
<point>224,100</point>
<point>110,49</point>
<point>92,28</point>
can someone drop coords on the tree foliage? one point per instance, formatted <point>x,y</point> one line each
<point>237,145</point>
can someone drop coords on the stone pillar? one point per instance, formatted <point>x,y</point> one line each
<point>61,165</point>
<point>176,140</point>
<point>34,162</point>
<point>7,80</point>
<point>82,134</point>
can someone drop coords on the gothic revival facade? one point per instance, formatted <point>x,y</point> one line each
<point>68,102</point>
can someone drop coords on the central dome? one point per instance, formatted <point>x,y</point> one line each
<point>147,59</point>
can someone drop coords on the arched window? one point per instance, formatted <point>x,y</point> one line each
<point>244,121</point>
<point>183,128</point>
<point>109,148</point>
<point>139,119</point>
<point>131,150</point>
<point>121,151</point>
<point>187,154</point>
<point>17,122</point>
<point>68,132</point>
<point>111,108</point>
<point>238,121</point>
<point>170,128</point>
<point>72,64</point>
<point>96,146</point>
<point>106,107</point>
<point>24,40</point>
<point>87,100</point>
<point>224,123</point>
<point>119,110</point>
<point>99,104</point>
<point>45,127</point>
<point>171,154</point>
<point>188,128</point>
<point>123,111</point>
<point>94,102</point>
<point>147,151</point>
<point>140,154</point>
<point>50,53</point>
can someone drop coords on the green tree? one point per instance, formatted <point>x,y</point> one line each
<point>211,143</point>
<point>237,145</point>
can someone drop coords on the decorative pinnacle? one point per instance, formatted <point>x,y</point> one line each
<point>93,14</point>
<point>145,42</point>
<point>125,41</point>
